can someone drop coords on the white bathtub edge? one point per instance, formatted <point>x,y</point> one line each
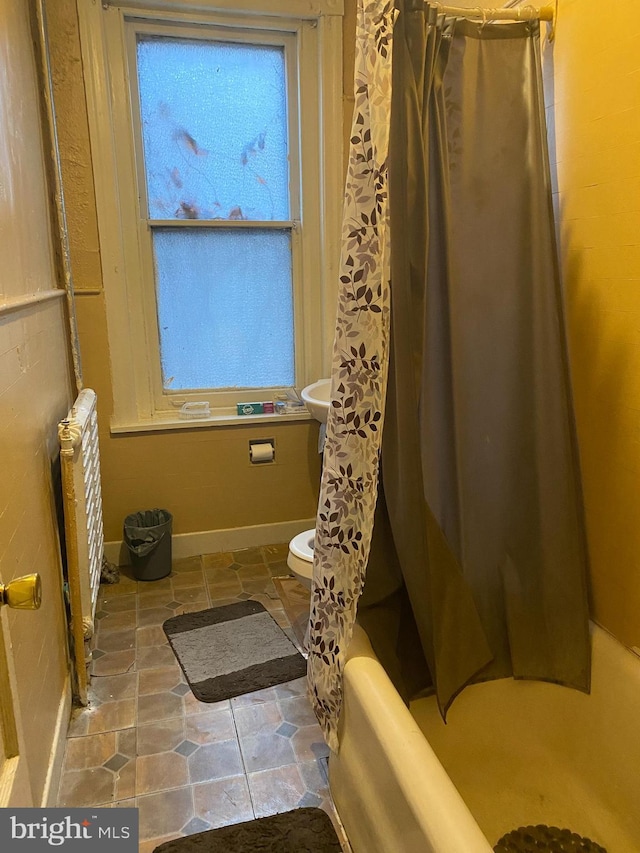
<point>385,796</point>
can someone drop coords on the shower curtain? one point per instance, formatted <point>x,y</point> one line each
<point>476,565</point>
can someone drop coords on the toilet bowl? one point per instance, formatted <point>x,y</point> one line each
<point>300,557</point>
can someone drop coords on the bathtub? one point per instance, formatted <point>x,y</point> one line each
<point>513,753</point>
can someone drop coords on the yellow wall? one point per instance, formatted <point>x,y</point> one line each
<point>35,392</point>
<point>592,73</point>
<point>202,476</point>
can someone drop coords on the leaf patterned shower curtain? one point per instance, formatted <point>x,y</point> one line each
<point>360,362</point>
<point>476,565</point>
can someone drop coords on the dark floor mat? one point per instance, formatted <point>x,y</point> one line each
<point>300,831</point>
<point>545,839</point>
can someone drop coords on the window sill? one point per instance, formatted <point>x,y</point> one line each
<point>171,422</point>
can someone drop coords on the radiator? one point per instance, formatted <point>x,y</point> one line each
<point>80,462</point>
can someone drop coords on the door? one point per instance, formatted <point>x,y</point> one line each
<point>14,777</point>
<point>21,594</point>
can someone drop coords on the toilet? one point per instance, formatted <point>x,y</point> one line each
<point>300,557</point>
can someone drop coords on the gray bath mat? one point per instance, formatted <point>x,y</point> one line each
<point>545,839</point>
<point>231,650</point>
<point>300,831</point>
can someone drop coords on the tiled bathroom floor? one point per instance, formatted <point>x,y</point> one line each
<point>145,741</point>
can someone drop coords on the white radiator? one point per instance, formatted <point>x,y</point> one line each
<point>80,462</point>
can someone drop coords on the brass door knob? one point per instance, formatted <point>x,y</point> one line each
<point>23,593</point>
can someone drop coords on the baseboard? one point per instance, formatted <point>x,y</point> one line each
<point>211,541</point>
<point>56,756</point>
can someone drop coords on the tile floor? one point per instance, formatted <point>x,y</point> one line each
<point>145,741</point>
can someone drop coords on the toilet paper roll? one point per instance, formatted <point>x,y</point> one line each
<point>261,452</point>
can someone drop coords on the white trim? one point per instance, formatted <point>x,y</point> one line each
<point>162,424</point>
<point>213,541</point>
<point>331,182</point>
<point>56,755</point>
<point>278,8</point>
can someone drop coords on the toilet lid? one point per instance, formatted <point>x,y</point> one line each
<point>302,545</point>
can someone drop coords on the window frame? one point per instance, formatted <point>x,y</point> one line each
<point>314,42</point>
<point>162,398</point>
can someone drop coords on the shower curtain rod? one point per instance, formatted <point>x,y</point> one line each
<point>523,13</point>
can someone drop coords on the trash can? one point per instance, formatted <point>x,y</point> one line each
<point>147,535</point>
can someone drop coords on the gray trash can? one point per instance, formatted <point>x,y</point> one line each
<point>147,535</point>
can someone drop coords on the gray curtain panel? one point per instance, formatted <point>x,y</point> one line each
<point>479,565</point>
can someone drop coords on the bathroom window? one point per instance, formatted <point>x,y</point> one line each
<point>215,141</point>
<point>224,136</point>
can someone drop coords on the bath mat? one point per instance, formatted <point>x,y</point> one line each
<point>301,831</point>
<point>541,838</point>
<point>231,650</point>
